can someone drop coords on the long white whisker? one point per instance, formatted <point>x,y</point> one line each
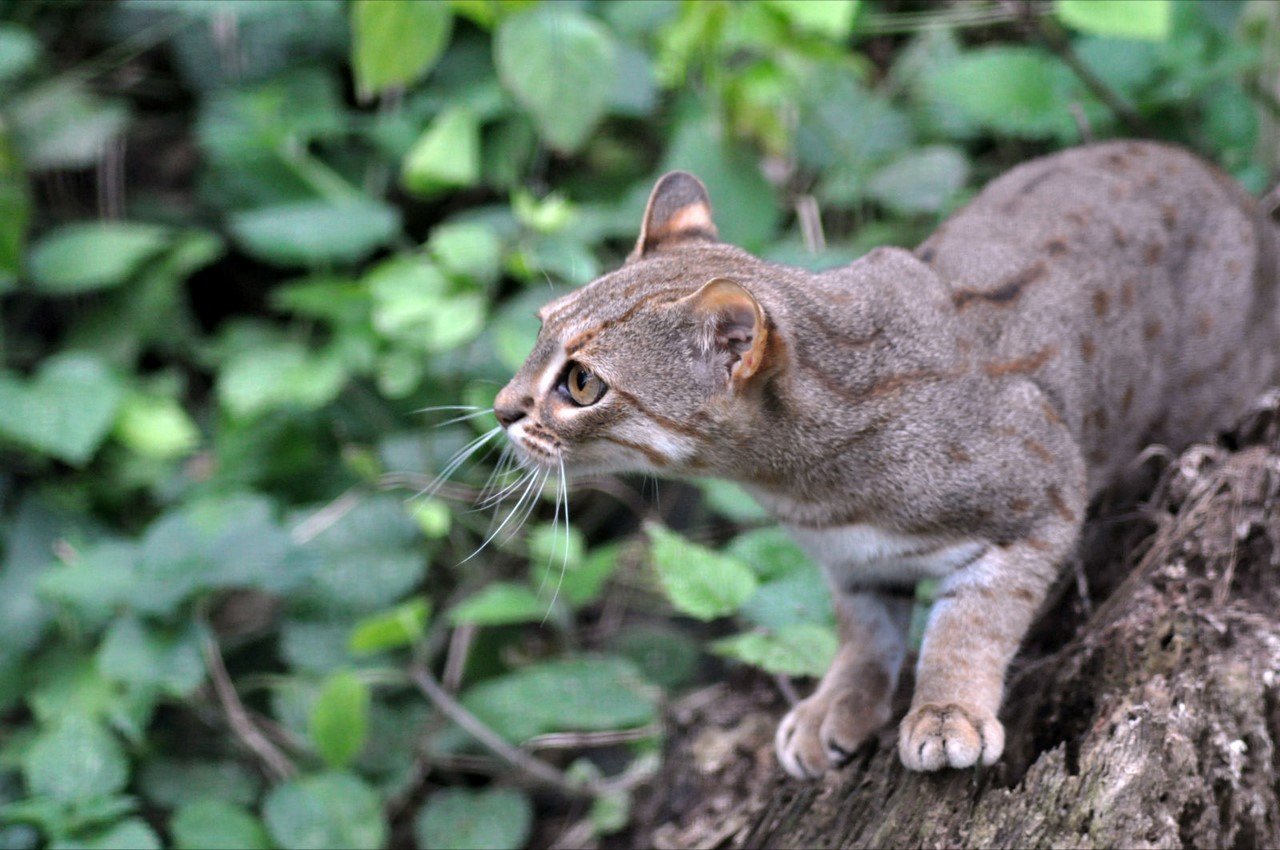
<point>465,417</point>
<point>499,470</point>
<point>555,520</point>
<point>531,477</point>
<point>460,458</point>
<point>533,504</point>
<point>564,565</point>
<point>447,407</point>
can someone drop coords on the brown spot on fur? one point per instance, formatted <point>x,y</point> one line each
<point>1056,246</point>
<point>1087,347</point>
<point>1060,504</point>
<point>575,345</point>
<point>1021,365</point>
<point>1153,253</point>
<point>958,454</point>
<point>1127,401</point>
<point>1151,329</point>
<point>1038,449</point>
<point>1233,267</point>
<point>1051,413</point>
<point>1006,293</point>
<point>1169,216</point>
<point>1098,457</point>
<point>1101,302</point>
<point>1190,242</point>
<point>1100,418</point>
<point>1195,379</point>
<point>1037,544</point>
<point>1204,323</point>
<point>1038,179</point>
<point>1019,506</point>
<point>1127,293</point>
<point>927,254</point>
<point>1078,217</point>
<point>1118,161</point>
<point>1025,596</point>
<point>1119,236</point>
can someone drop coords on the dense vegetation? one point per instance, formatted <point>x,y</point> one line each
<point>244,246</point>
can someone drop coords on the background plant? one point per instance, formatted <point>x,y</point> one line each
<point>244,245</point>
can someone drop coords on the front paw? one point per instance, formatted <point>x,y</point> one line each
<point>823,732</point>
<point>952,735</point>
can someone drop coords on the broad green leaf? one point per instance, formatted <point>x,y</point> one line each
<point>699,582</point>
<point>447,154</point>
<point>156,426</point>
<point>396,42</point>
<point>463,819</point>
<point>60,124</point>
<point>84,257</point>
<point>68,683</point>
<point>76,760</point>
<point>769,551</point>
<point>1012,90</point>
<point>315,233</point>
<point>800,596</point>
<point>15,210</point>
<point>500,603</point>
<point>804,649</point>
<point>175,782</point>
<point>133,833</point>
<point>284,375</point>
<point>144,655</point>
<point>559,65</point>
<point>340,718</point>
<point>65,411</point>
<point>93,586</point>
<point>19,50</point>
<point>415,303</point>
<point>556,551</point>
<point>325,811</point>
<point>1146,19</point>
<point>731,501</point>
<point>212,824</point>
<point>582,578</point>
<point>401,626</point>
<point>467,249</point>
<point>666,656</point>
<point>583,694</point>
<point>832,18</point>
<point>920,181</point>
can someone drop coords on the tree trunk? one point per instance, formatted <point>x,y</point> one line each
<point>1144,710</point>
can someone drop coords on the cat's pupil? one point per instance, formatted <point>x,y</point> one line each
<point>582,378</point>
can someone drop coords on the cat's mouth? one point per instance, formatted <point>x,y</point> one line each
<point>536,444</point>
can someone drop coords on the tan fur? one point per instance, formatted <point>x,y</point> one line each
<point>944,413</point>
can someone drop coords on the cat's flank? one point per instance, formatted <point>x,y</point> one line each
<point>943,413</point>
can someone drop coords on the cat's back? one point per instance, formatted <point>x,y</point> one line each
<point>1141,278</point>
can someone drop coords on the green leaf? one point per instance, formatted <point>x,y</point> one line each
<point>211,824</point>
<point>804,649</point>
<point>144,655</point>
<point>414,304</point>
<point>156,426</point>
<point>76,760</point>
<point>666,656</point>
<point>446,155</point>
<point>831,18</point>
<point>85,257</point>
<point>582,694</point>
<point>15,211</point>
<point>500,603</point>
<point>731,501</point>
<point>699,582</point>
<point>19,50</point>
<point>315,233</point>
<point>175,782</point>
<point>340,718</point>
<point>1013,90</point>
<point>401,626</point>
<point>396,42</point>
<point>920,181</point>
<point>133,833</point>
<point>467,249</point>
<point>325,811</point>
<point>462,819</point>
<point>582,578</point>
<point>66,411</point>
<point>93,586</point>
<point>282,375</point>
<point>60,124</point>
<point>1146,19</point>
<point>559,65</point>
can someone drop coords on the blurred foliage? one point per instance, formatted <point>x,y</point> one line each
<point>244,245</point>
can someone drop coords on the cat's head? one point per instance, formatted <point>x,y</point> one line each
<point>646,368</point>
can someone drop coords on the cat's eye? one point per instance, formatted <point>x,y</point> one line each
<point>583,387</point>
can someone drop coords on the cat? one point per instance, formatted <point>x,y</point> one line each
<point>942,413</point>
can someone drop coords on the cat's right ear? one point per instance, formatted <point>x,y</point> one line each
<point>678,210</point>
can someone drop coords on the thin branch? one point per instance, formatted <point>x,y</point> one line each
<point>583,740</point>
<point>517,758</point>
<point>276,763</point>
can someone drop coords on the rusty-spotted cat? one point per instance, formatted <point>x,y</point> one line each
<point>945,413</point>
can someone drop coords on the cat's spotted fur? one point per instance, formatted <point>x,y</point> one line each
<point>944,413</point>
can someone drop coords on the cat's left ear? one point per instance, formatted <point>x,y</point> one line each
<point>732,327</point>
<point>679,209</point>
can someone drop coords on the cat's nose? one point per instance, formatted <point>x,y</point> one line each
<point>508,415</point>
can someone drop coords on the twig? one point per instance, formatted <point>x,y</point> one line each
<point>276,762</point>
<point>582,740</point>
<point>455,662</point>
<point>320,521</point>
<point>534,768</point>
<point>810,216</point>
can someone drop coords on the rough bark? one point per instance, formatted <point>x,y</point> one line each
<point>1144,710</point>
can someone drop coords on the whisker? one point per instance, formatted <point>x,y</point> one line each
<point>533,504</point>
<point>447,407</point>
<point>551,553</point>
<point>530,477</point>
<point>465,417</point>
<point>498,471</point>
<point>564,565</point>
<point>460,458</point>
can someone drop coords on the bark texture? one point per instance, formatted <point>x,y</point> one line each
<point>1144,710</point>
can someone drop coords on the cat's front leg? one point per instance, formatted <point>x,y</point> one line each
<point>852,702</point>
<point>974,629</point>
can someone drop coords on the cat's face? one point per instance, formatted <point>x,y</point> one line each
<point>643,369</point>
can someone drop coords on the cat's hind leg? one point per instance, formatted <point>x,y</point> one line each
<point>853,700</point>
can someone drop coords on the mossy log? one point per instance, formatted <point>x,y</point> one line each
<point>1144,710</point>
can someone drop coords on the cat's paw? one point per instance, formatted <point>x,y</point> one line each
<point>823,732</point>
<point>952,735</point>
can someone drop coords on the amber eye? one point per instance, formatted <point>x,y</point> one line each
<point>584,388</point>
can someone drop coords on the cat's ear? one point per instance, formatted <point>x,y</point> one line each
<point>732,328</point>
<point>678,209</point>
